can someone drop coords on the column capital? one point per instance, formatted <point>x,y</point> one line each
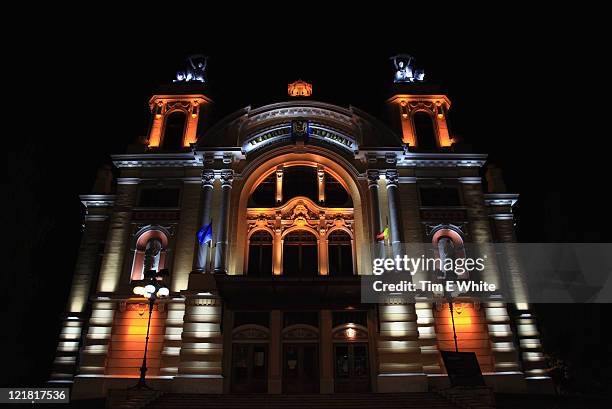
<point>320,173</point>
<point>373,176</point>
<point>392,177</point>
<point>208,178</point>
<point>227,177</point>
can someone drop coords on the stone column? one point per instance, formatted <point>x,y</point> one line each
<point>277,253</point>
<point>400,364</point>
<point>323,248</point>
<point>170,355</point>
<point>326,360</point>
<point>275,384</point>
<point>529,347</point>
<point>184,252</point>
<point>201,354</point>
<point>321,183</point>
<point>118,236</point>
<point>480,226</point>
<point>87,267</point>
<point>395,220</point>
<point>375,221</point>
<point>227,177</point>
<point>201,262</point>
<point>279,184</point>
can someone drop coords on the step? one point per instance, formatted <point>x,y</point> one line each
<point>306,401</point>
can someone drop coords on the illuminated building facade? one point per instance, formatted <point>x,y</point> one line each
<point>297,192</point>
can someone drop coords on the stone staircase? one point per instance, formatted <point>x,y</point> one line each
<point>422,400</point>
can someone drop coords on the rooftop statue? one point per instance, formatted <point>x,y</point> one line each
<point>195,71</point>
<point>405,70</point>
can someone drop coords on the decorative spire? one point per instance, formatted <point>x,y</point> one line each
<point>299,88</point>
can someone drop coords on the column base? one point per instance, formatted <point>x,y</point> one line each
<point>198,384</point>
<point>326,385</point>
<point>540,385</point>
<point>275,386</point>
<point>388,383</point>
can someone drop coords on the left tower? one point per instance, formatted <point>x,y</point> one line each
<point>145,215</point>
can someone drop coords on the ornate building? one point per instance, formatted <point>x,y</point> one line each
<point>297,192</point>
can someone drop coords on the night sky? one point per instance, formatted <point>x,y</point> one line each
<point>515,94</point>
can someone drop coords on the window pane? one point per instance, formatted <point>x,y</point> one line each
<point>265,194</point>
<point>335,194</point>
<point>300,181</point>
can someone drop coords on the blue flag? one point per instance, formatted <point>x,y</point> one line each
<point>205,233</point>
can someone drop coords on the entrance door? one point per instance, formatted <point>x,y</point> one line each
<point>351,371</point>
<point>300,368</point>
<point>250,368</point>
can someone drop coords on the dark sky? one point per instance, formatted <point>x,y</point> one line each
<point>515,91</point>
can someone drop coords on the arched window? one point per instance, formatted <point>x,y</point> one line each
<point>340,254</point>
<point>300,254</point>
<point>335,194</point>
<point>174,130</point>
<point>260,254</point>
<point>300,181</point>
<point>424,130</point>
<point>150,253</point>
<point>264,193</point>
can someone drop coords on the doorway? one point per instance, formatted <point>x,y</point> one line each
<point>300,368</point>
<point>351,368</point>
<point>250,368</point>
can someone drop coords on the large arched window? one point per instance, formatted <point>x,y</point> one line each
<point>264,193</point>
<point>300,181</point>
<point>300,254</point>
<point>260,254</point>
<point>424,130</point>
<point>174,130</point>
<point>150,253</point>
<point>340,253</point>
<point>335,194</point>
<point>293,199</point>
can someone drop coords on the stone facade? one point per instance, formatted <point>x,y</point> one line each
<point>224,330</point>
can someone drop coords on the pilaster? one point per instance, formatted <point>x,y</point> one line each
<point>200,366</point>
<point>400,367</point>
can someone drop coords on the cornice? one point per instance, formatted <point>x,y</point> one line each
<point>97,200</point>
<point>158,160</point>
<point>437,159</point>
<point>501,199</point>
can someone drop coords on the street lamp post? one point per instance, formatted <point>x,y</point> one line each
<point>450,307</point>
<point>152,290</point>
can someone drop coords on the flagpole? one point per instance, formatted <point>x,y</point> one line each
<point>209,261</point>
<point>388,242</point>
<point>208,257</point>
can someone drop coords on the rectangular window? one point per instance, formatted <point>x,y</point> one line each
<point>439,196</point>
<point>159,198</point>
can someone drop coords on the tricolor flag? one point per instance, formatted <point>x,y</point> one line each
<point>383,235</point>
<point>205,233</point>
